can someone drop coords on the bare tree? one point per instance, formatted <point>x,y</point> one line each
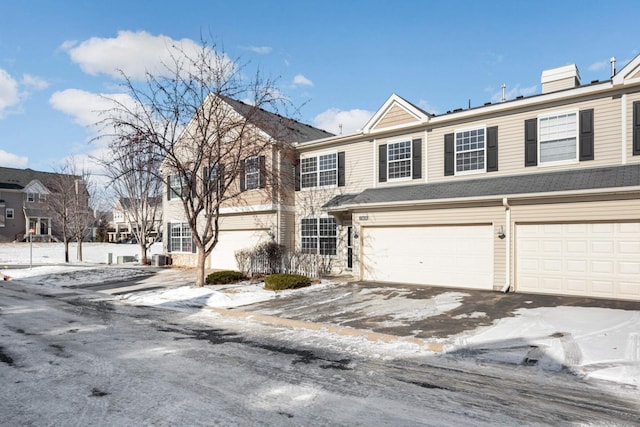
<point>69,205</point>
<point>132,169</point>
<point>188,115</point>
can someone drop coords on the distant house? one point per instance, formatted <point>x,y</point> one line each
<point>123,222</point>
<point>25,205</point>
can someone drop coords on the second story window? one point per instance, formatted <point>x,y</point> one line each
<point>319,171</point>
<point>558,138</point>
<point>252,173</point>
<point>9,213</point>
<point>399,160</point>
<point>470,150</point>
<point>176,187</point>
<point>31,197</point>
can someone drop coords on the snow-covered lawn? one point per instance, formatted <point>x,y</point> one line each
<point>594,342</point>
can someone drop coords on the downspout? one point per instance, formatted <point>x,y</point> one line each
<point>507,220</point>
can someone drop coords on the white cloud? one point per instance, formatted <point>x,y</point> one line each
<point>262,50</point>
<point>86,108</point>
<point>300,80</point>
<point>8,91</point>
<point>426,106</point>
<point>597,66</point>
<point>34,82</point>
<point>12,160</point>
<point>351,120</point>
<point>134,53</point>
<point>512,93</point>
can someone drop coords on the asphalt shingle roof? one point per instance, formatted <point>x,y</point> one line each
<point>547,182</point>
<point>17,179</point>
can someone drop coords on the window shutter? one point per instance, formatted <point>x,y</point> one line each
<point>296,173</point>
<point>586,135</point>
<point>243,185</point>
<point>636,128</point>
<point>492,149</point>
<point>168,187</point>
<point>263,172</point>
<point>219,177</point>
<point>449,155</point>
<point>205,179</point>
<point>382,163</point>
<point>531,142</point>
<point>341,177</point>
<point>167,237</point>
<point>417,158</point>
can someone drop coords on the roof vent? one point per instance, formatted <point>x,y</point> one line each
<point>555,79</point>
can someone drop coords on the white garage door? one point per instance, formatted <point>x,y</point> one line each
<point>588,259</point>
<point>223,255</point>
<point>456,256</point>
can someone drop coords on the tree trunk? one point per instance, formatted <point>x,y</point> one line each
<point>143,252</point>
<point>200,269</point>
<point>66,249</point>
<point>79,252</point>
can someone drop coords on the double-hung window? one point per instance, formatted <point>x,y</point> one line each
<point>319,171</point>
<point>252,173</point>
<point>470,150</point>
<point>180,237</point>
<point>319,236</point>
<point>9,213</point>
<point>399,160</point>
<point>31,197</point>
<point>177,188</point>
<point>557,134</point>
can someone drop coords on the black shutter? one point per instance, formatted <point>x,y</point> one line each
<point>382,163</point>
<point>168,187</point>
<point>449,155</point>
<point>586,135</point>
<point>636,128</point>
<point>243,185</point>
<point>341,177</point>
<point>262,183</point>
<point>417,158</point>
<point>167,236</point>
<point>531,142</point>
<point>492,149</point>
<point>206,177</point>
<point>296,173</point>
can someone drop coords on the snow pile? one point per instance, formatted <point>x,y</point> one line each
<point>52,253</point>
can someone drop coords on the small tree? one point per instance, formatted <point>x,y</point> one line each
<point>190,117</point>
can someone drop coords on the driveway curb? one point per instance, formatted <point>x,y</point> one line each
<point>434,346</point>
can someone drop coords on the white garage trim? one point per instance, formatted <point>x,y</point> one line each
<point>223,255</point>
<point>593,259</point>
<point>454,256</point>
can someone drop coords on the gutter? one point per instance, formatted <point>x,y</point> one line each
<point>507,221</point>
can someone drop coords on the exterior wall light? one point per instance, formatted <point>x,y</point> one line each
<point>501,234</point>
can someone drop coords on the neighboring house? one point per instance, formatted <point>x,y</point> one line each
<point>537,194</point>
<point>25,198</point>
<point>263,212</point>
<point>123,221</point>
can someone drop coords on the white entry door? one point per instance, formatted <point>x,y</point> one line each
<point>455,256</point>
<point>586,259</point>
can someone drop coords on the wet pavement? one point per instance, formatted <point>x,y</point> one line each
<point>413,311</point>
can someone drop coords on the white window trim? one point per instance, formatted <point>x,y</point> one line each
<point>317,156</point>
<point>247,173</point>
<point>31,197</point>
<point>403,178</point>
<point>175,192</point>
<point>318,237</point>
<point>539,144</point>
<point>455,151</point>
<point>6,215</point>
<point>171,224</point>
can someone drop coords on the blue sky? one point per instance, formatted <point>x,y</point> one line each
<point>337,60</point>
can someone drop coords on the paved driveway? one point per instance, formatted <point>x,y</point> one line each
<point>414,311</point>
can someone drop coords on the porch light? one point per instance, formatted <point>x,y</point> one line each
<point>501,234</point>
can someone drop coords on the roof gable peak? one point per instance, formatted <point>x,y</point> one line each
<point>396,112</point>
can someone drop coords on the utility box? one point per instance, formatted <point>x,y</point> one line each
<point>109,258</point>
<point>123,259</point>
<point>159,260</point>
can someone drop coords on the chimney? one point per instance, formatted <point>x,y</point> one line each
<point>555,79</point>
<point>613,66</point>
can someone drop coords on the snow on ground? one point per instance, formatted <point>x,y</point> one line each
<point>594,342</point>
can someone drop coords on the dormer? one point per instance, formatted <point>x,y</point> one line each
<point>560,78</point>
<point>396,113</point>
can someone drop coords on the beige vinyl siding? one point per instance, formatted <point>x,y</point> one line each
<point>479,215</point>
<point>263,221</point>
<point>396,116</point>
<point>607,137</point>
<point>287,228</point>
<point>557,85</point>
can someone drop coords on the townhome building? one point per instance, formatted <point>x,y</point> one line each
<point>124,223</point>
<point>26,204</point>
<point>536,194</point>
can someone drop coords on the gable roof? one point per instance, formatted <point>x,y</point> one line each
<point>18,179</point>
<point>409,111</point>
<point>275,125</point>
<point>530,184</point>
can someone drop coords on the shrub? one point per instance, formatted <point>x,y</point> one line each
<point>224,277</point>
<point>278,282</point>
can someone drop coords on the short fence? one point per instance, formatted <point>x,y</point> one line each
<point>310,265</point>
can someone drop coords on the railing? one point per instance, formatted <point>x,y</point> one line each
<point>310,265</point>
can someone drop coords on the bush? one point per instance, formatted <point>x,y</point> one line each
<point>278,282</point>
<point>224,277</point>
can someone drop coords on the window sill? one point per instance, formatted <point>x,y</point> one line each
<point>558,163</point>
<point>471,172</point>
<point>323,187</point>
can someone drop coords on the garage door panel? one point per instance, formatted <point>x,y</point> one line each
<point>589,259</point>
<point>446,256</point>
<point>223,255</point>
